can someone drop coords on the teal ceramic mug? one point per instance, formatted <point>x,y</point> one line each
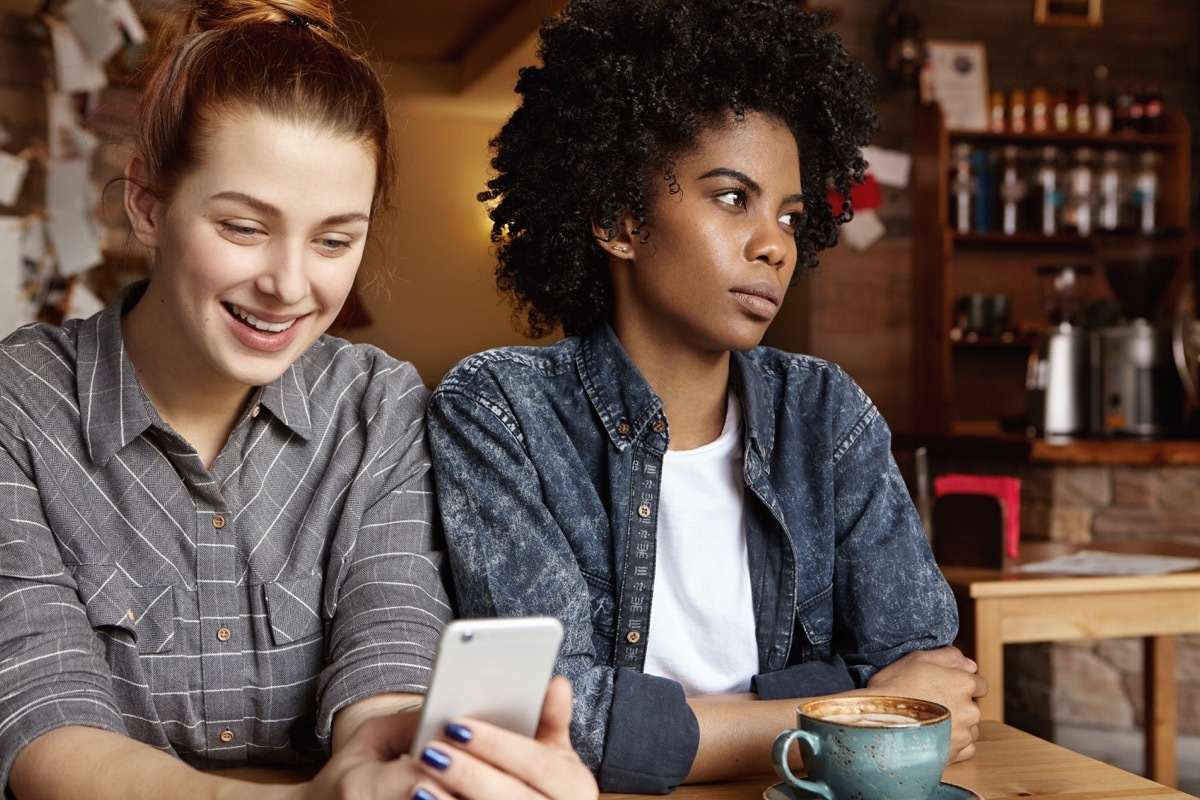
<point>867,748</point>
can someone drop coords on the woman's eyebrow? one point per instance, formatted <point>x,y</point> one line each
<point>751,184</point>
<point>264,207</point>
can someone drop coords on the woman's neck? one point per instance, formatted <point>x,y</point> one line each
<point>694,391</point>
<point>201,410</point>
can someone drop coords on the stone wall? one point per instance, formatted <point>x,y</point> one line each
<point>1087,695</point>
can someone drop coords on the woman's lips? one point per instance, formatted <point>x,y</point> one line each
<point>761,301</point>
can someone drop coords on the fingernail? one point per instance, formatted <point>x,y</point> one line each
<point>435,758</point>
<point>458,733</point>
<point>421,794</point>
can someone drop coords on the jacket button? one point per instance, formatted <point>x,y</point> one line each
<point>659,426</point>
<point>623,428</point>
<point>643,511</point>
<point>218,522</point>
<point>633,637</point>
<point>224,634</point>
<point>226,735</point>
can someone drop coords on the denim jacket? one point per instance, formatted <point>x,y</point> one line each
<point>546,461</point>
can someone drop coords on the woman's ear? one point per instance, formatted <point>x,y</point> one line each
<point>142,208</point>
<point>615,243</point>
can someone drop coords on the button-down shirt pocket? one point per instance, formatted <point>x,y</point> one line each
<point>600,595</point>
<point>146,613</point>
<point>294,609</point>
<point>815,618</point>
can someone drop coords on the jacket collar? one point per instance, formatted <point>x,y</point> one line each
<point>620,394</point>
<point>113,406</point>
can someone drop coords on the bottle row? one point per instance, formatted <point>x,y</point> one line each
<point>1129,108</point>
<point>1052,190</point>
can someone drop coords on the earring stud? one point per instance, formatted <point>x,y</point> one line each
<point>620,248</point>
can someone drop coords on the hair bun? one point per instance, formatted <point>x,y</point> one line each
<point>311,14</point>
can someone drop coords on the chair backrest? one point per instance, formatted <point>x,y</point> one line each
<point>968,530</point>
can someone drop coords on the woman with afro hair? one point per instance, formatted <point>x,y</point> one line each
<point>720,525</point>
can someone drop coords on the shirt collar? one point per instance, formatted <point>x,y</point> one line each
<point>758,413</point>
<point>616,388</point>
<point>113,407</point>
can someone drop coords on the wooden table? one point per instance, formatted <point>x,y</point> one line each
<point>999,607</point>
<point>1010,765</point>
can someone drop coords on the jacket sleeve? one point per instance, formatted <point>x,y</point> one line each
<point>510,557</point>
<point>882,551</point>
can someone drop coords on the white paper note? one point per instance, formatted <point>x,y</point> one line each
<point>74,232</point>
<point>1100,562</point>
<point>95,25</point>
<point>81,301</point>
<point>890,167</point>
<point>75,71</point>
<point>12,177</point>
<point>128,19</point>
<point>14,308</point>
<point>69,141</point>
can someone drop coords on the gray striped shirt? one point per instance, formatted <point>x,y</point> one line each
<point>220,614</point>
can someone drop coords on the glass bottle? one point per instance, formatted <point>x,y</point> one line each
<point>1079,200</point>
<point>1047,193</point>
<point>1102,111</point>
<point>962,189</point>
<point>999,121</point>
<point>1039,109</point>
<point>1081,112</point>
<point>1152,121</point>
<point>1145,191</point>
<point>1060,110</point>
<point>1016,110</point>
<point>1013,190</point>
<point>1109,189</point>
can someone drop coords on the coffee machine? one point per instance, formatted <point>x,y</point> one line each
<point>1057,374</point>
<point>1138,375</point>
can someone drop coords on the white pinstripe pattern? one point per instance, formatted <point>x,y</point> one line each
<point>114,579</point>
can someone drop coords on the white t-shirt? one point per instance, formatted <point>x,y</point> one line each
<point>702,615</point>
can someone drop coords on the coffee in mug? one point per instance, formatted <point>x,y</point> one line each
<point>866,748</point>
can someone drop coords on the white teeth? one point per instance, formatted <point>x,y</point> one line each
<point>258,324</point>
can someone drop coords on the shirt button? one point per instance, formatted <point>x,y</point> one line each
<point>226,735</point>
<point>659,426</point>
<point>643,511</point>
<point>623,428</point>
<point>633,637</point>
<point>224,634</point>
<point>218,522</point>
<point>254,411</point>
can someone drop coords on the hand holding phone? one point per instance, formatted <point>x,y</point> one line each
<point>494,670</point>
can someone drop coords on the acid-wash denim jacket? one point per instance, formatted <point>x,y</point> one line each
<point>546,461</point>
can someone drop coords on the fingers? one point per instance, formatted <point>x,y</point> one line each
<point>483,762</point>
<point>554,728</point>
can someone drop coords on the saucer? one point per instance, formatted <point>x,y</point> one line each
<point>944,791</point>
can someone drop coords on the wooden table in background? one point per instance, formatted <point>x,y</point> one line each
<point>999,607</point>
<point>1009,765</point>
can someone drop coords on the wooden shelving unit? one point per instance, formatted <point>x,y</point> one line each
<point>961,385</point>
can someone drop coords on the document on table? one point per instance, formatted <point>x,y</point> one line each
<point>1099,562</point>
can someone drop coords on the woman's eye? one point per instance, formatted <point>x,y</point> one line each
<point>793,219</point>
<point>333,246</point>
<point>240,231</point>
<point>733,197</point>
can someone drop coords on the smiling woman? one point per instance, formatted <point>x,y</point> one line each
<point>220,545</point>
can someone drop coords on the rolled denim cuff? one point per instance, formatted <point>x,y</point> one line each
<point>652,736</point>
<point>809,679</point>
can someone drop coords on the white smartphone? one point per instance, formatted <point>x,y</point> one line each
<point>495,670</point>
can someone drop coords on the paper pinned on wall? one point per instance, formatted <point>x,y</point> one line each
<point>82,302</point>
<point>95,25</point>
<point>12,177</point>
<point>890,167</point>
<point>129,21</point>
<point>74,71</point>
<point>15,309</point>
<point>73,230</point>
<point>69,141</point>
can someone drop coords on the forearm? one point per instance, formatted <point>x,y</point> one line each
<point>73,762</point>
<point>349,719</point>
<point>736,735</point>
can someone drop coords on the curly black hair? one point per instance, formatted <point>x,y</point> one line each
<point>624,88</point>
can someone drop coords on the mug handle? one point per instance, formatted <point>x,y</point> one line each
<point>780,752</point>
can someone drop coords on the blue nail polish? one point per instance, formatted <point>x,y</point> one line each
<point>435,758</point>
<point>458,733</point>
<point>421,794</point>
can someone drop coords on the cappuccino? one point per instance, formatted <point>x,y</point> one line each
<point>871,719</point>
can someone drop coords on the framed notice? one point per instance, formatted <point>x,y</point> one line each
<point>956,79</point>
<point>1070,13</point>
